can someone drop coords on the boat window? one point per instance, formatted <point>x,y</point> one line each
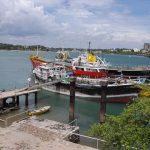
<point>92,70</point>
<point>78,68</point>
<point>102,70</point>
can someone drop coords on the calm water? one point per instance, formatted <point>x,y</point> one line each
<point>15,68</point>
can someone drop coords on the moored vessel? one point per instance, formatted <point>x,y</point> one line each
<point>38,111</point>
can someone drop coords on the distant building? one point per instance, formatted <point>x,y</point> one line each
<point>127,50</point>
<point>136,50</point>
<point>147,46</point>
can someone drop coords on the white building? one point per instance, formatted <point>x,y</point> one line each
<point>136,50</point>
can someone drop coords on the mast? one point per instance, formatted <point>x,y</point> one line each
<point>37,51</point>
<point>89,49</point>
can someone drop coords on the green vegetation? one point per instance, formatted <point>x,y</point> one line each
<point>19,47</point>
<point>130,129</point>
<point>29,48</point>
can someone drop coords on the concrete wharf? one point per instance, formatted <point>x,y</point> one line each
<point>34,133</point>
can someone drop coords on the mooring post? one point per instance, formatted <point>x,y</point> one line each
<point>26,100</point>
<point>17,100</point>
<point>72,99</point>
<point>36,97</point>
<point>103,101</point>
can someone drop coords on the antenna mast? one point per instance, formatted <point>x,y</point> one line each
<point>89,49</point>
<point>37,51</point>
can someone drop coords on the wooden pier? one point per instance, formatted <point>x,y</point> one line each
<point>15,94</point>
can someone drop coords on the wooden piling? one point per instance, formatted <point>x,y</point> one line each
<point>72,99</point>
<point>4,102</point>
<point>13,100</point>
<point>35,98</point>
<point>17,100</point>
<point>103,101</point>
<point>58,87</point>
<point>26,100</point>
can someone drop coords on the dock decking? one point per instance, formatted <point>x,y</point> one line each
<point>17,92</point>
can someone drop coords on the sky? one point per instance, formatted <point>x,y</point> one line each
<point>73,23</point>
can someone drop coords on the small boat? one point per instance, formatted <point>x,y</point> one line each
<point>39,111</point>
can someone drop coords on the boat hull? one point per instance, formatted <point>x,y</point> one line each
<point>90,74</point>
<point>123,94</point>
<point>36,61</point>
<point>38,111</point>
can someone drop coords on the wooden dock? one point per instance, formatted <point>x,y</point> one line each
<point>15,94</point>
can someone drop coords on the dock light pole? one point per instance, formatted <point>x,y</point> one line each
<point>72,99</point>
<point>103,101</point>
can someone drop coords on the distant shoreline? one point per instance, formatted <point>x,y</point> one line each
<point>123,51</point>
<point>96,52</point>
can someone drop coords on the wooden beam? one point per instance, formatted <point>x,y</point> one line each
<point>26,100</point>
<point>17,100</point>
<point>72,99</point>
<point>103,101</point>
<point>36,97</point>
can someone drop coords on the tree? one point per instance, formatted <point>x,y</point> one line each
<point>130,129</point>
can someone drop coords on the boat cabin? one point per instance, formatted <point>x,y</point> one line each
<point>50,72</point>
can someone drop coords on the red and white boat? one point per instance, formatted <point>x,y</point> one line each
<point>89,65</point>
<point>36,61</point>
<point>90,72</point>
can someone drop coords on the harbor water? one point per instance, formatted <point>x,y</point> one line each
<point>15,69</point>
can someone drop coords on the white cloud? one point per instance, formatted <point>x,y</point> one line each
<point>21,17</point>
<point>71,23</point>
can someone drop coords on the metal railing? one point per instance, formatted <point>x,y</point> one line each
<point>91,138</point>
<point>74,121</point>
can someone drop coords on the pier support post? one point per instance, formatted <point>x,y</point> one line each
<point>72,99</point>
<point>103,101</point>
<point>4,102</point>
<point>13,100</point>
<point>58,86</point>
<point>26,100</point>
<point>17,100</point>
<point>36,98</point>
